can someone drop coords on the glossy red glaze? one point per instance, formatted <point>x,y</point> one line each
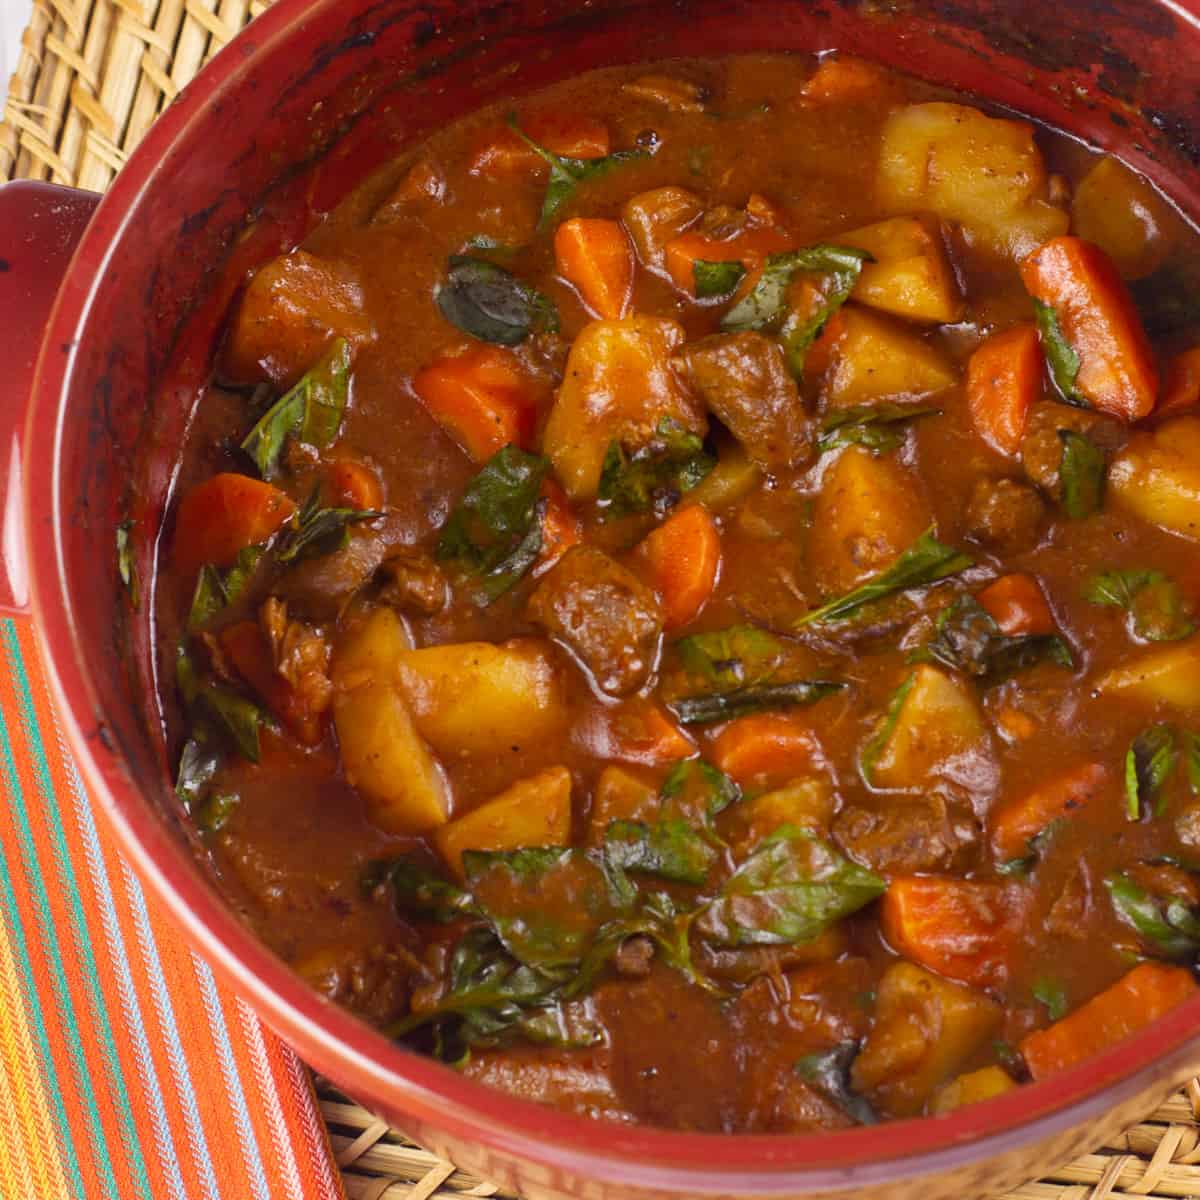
<point>269,128</point>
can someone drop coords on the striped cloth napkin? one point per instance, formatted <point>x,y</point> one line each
<point>126,1071</point>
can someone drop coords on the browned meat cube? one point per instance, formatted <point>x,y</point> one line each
<point>907,837</point>
<point>1041,447</point>
<point>1005,514</point>
<point>319,587</point>
<point>415,583</point>
<point>604,614</point>
<point>675,95</point>
<point>653,218</point>
<point>744,381</point>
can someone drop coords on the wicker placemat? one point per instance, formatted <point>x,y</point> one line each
<point>92,77</point>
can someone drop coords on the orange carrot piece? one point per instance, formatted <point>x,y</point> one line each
<point>766,747</point>
<point>765,212</point>
<point>822,352</point>
<point>1133,1002</point>
<point>682,557</point>
<point>480,397</point>
<point>845,78</point>
<point>247,651</point>
<point>1017,605</point>
<point>561,528</point>
<point>222,516</point>
<point>353,484</point>
<point>641,731</point>
<point>1118,373</point>
<point>1017,822</point>
<point>1181,389</point>
<point>595,256</point>
<point>502,154</point>
<point>1004,378</point>
<point>960,929</point>
<point>751,248</point>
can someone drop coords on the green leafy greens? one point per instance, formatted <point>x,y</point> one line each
<point>1060,356</point>
<point>1156,605</point>
<point>829,1072</point>
<point>491,304</point>
<point>714,279</point>
<point>883,731</point>
<point>1082,472</point>
<point>1164,922</point>
<point>878,427</point>
<point>1051,995</point>
<point>1148,765</point>
<point>315,531</point>
<point>216,589</point>
<point>657,475</point>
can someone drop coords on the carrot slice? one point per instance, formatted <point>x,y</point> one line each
<point>1181,390</point>
<point>822,352</point>
<point>1017,605</point>
<point>640,731</point>
<point>596,258</point>
<point>561,528</point>
<point>246,649</point>
<point>502,154</point>
<point>1004,378</point>
<point>682,557</point>
<point>1117,370</point>
<point>1019,821</point>
<point>354,485</point>
<point>222,516</point>
<point>845,78</point>
<point>768,746</point>
<point>958,928</point>
<point>751,248</point>
<point>1134,1001</point>
<point>480,397</point>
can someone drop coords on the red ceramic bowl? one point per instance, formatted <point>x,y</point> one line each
<point>273,132</point>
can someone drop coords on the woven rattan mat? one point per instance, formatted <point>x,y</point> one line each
<point>92,77</point>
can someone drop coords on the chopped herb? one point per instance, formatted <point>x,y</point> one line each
<point>741,702</point>
<point>655,476</point>
<point>495,531</point>
<point>790,889</point>
<point>878,427</point>
<point>566,174</point>
<point>491,304</point>
<point>216,590</point>
<point>1051,994</point>
<point>311,411</point>
<point>883,732</point>
<point>1148,765</point>
<point>829,1072</point>
<point>1082,474</point>
<point>239,718</point>
<point>1060,356</point>
<point>926,561</point>
<point>714,279</point>
<point>315,531</point>
<point>125,565</point>
<point>1155,603</point>
<point>1166,923</point>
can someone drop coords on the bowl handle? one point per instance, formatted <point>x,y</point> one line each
<point>40,226</point>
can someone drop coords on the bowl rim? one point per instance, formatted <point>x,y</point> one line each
<point>437,1097</point>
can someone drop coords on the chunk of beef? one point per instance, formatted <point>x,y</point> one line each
<point>371,981</point>
<point>413,583</point>
<point>745,383</point>
<point>604,614</point>
<point>653,218</point>
<point>632,960</point>
<point>905,837</point>
<point>320,587</point>
<point>1068,915</point>
<point>675,95</point>
<point>1004,514</point>
<point>1041,447</point>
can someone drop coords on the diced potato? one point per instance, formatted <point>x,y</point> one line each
<point>619,796</point>
<point>807,803</point>
<point>911,275</point>
<point>735,476</point>
<point>1170,675</point>
<point>869,511</point>
<point>1119,211</point>
<point>480,698</point>
<point>289,313</point>
<point>618,386</point>
<point>874,359</point>
<point>971,1089</point>
<point>925,1029</point>
<point>939,720</point>
<point>1157,476</point>
<point>533,812</point>
<point>984,172</point>
<point>382,754</point>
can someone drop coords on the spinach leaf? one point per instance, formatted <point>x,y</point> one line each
<point>766,305</point>
<point>1155,603</point>
<point>655,476</point>
<point>829,1072</point>
<point>697,791</point>
<point>215,811</point>
<point>215,590</point>
<point>239,718</point>
<point>870,753</point>
<point>419,890</point>
<point>198,763</point>
<point>714,279</point>
<point>926,561</point>
<point>1082,472</point>
<point>491,304</point>
<point>495,531</point>
<point>566,174</point>
<point>741,702</point>
<point>791,889</point>
<point>1061,358</point>
<point>731,658</point>
<point>1051,994</point>
<point>967,638</point>
<point>1165,923</point>
<point>125,565</point>
<point>1148,765</point>
<point>670,849</point>
<point>878,427</point>
<point>1191,749</point>
<point>311,411</point>
<point>315,531</point>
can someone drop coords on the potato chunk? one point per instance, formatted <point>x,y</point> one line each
<point>984,172</point>
<point>938,721</point>
<point>926,1029</point>
<point>972,1088</point>
<point>290,312</point>
<point>618,386</point>
<point>1119,211</point>
<point>875,359</point>
<point>1169,676</point>
<point>533,812</point>
<point>1157,477</point>
<point>382,754</point>
<point>480,698</point>
<point>868,512</point>
<point>911,275</point>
